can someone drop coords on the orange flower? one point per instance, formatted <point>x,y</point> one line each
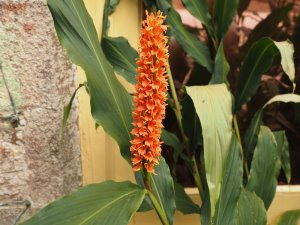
<point>151,93</point>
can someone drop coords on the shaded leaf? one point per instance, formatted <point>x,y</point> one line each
<point>223,14</point>
<point>231,186</point>
<point>67,108</point>
<point>251,210</point>
<point>283,149</point>
<point>258,61</point>
<point>109,8</point>
<point>221,68</point>
<point>265,167</point>
<point>111,105</point>
<point>172,140</point>
<point>188,40</point>
<point>183,202</point>
<point>213,107</point>
<point>289,218</point>
<point>93,204</point>
<point>121,56</point>
<point>191,124</point>
<point>286,50</point>
<point>251,134</point>
<point>163,188</point>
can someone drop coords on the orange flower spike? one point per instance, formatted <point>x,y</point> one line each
<point>151,93</point>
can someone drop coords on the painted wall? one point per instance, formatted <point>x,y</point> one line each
<point>36,80</point>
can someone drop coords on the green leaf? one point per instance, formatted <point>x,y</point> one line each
<point>172,140</point>
<point>289,218</point>
<point>283,149</point>
<point>109,8</point>
<point>111,105</point>
<point>213,106</point>
<point>269,25</point>
<point>251,134</point>
<point>221,68</point>
<point>67,108</point>
<point>265,167</point>
<point>257,62</point>
<point>163,188</point>
<point>121,56</point>
<point>188,40</point>
<point>286,50</point>
<point>223,14</point>
<point>231,186</point>
<point>183,202</point>
<point>191,124</point>
<point>93,204</point>
<point>199,9</point>
<point>251,210</point>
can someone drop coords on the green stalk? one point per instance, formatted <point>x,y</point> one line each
<point>160,212</point>
<point>236,128</point>
<point>177,111</point>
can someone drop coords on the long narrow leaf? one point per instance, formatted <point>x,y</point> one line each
<point>110,103</point>
<point>231,186</point>
<point>283,149</point>
<point>213,106</point>
<point>257,62</point>
<point>223,13</point>
<point>121,56</point>
<point>221,67</point>
<point>105,203</point>
<point>189,41</point>
<point>265,167</point>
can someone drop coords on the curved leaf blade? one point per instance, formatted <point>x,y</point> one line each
<point>231,186</point>
<point>223,14</point>
<point>183,202</point>
<point>189,41</point>
<point>250,209</point>
<point>283,149</point>
<point>289,218</point>
<point>221,67</point>
<point>258,61</point>
<point>213,106</point>
<point>93,204</point>
<point>110,103</point>
<point>121,56</point>
<point>286,50</point>
<point>265,167</point>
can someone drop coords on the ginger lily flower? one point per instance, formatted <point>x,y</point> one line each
<point>151,93</point>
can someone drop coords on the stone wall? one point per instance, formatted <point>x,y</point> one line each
<point>36,80</point>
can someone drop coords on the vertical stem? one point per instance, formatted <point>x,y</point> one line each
<point>177,111</point>
<point>236,128</point>
<point>160,212</point>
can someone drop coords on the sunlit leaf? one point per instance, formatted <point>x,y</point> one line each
<point>213,106</point>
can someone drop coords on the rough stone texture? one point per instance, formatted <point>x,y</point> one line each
<point>36,80</point>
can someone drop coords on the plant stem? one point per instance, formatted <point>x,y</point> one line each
<point>177,111</point>
<point>236,128</point>
<point>161,214</point>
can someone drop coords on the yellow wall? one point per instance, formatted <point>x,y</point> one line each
<point>100,155</point>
